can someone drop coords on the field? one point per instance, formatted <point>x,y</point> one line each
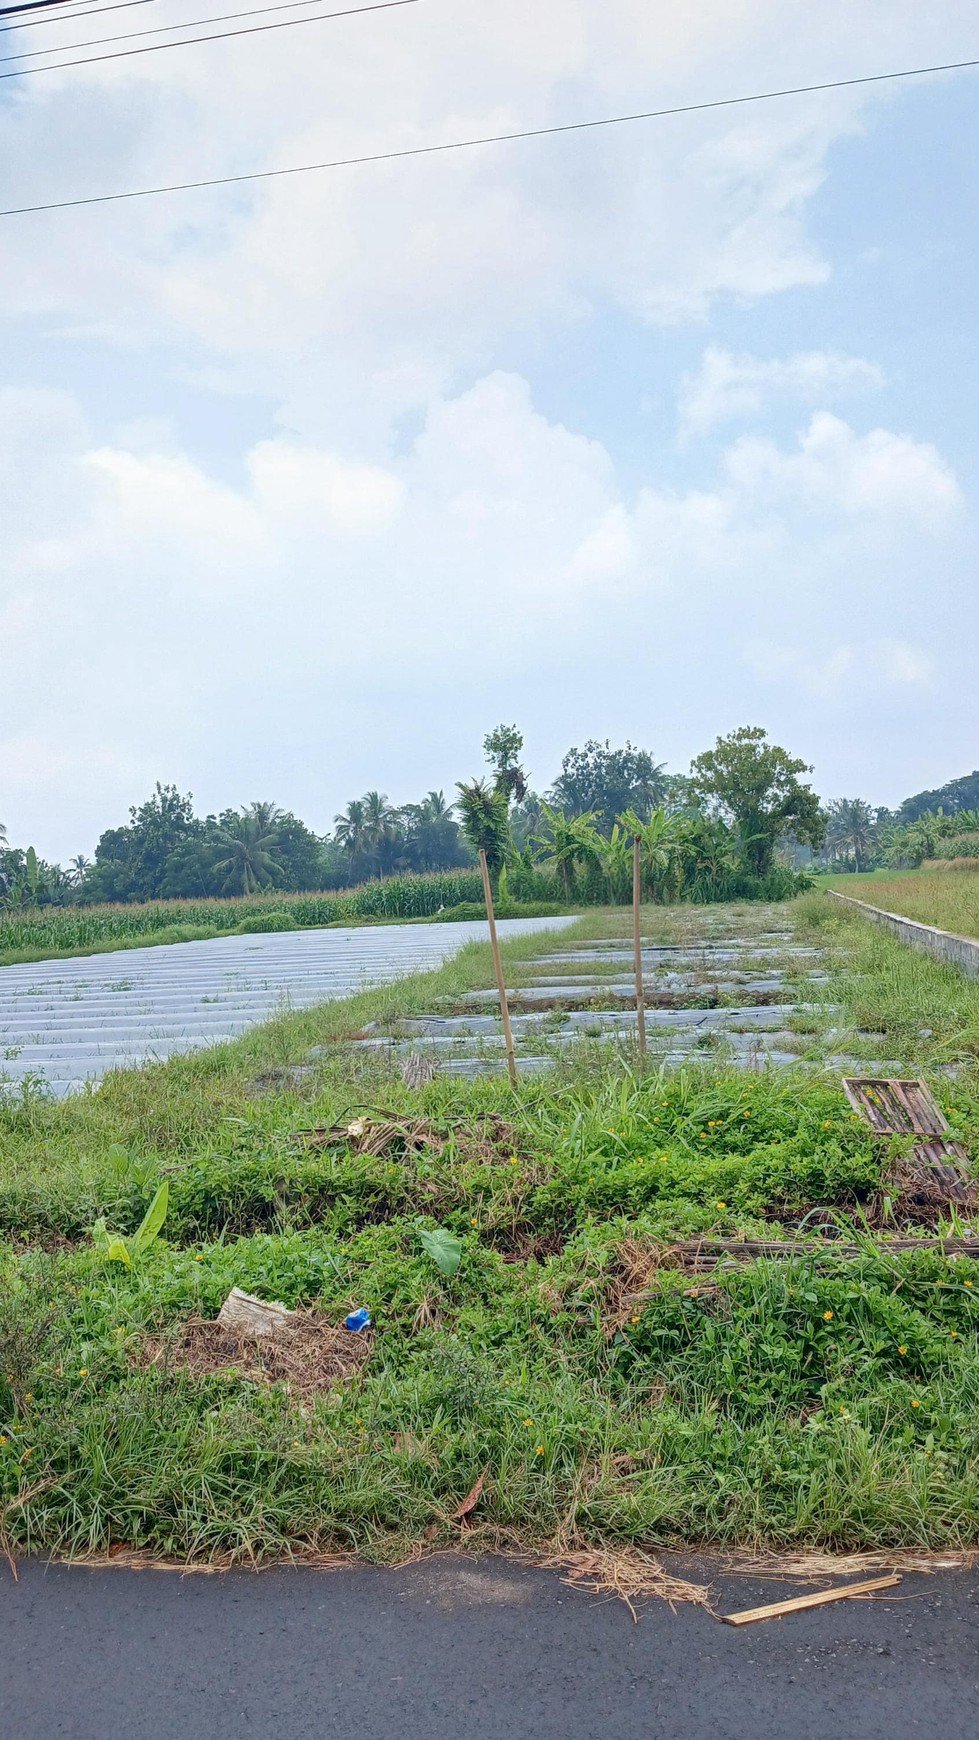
<point>948,898</point>
<point>43,933</point>
<point>602,1389</point>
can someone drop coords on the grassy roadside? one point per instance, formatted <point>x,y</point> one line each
<point>946,898</point>
<point>606,1396</point>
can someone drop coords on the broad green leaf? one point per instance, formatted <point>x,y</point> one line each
<point>153,1219</point>
<point>118,1158</point>
<point>444,1249</point>
<point>117,1250</point>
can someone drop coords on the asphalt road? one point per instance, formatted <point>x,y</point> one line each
<point>458,1649</point>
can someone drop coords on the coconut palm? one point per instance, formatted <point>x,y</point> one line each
<point>851,830</point>
<point>381,830</point>
<point>249,862</point>
<point>350,833</point>
<point>78,869</point>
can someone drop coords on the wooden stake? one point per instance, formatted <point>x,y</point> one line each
<point>637,945</point>
<point>798,1602</point>
<point>511,1061</point>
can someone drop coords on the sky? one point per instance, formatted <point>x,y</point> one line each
<point>643,433</point>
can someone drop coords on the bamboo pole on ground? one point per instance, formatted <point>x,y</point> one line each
<point>511,1061</point>
<point>637,945</point>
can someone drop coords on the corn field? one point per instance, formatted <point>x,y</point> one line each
<point>79,927</point>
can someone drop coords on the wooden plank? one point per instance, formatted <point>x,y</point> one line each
<point>893,1107</point>
<point>798,1602</point>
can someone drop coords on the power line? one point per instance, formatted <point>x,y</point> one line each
<point>28,72</point>
<point>157,30</point>
<point>33,6</point>
<point>69,18</point>
<point>490,139</point>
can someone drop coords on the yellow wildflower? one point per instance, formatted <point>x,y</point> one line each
<point>826,1316</point>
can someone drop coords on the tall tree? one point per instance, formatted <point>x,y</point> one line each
<point>502,748</point>
<point>755,783</point>
<point>131,862</point>
<point>851,830</point>
<point>248,860</point>
<point>606,781</point>
<point>350,831</point>
<point>486,821</point>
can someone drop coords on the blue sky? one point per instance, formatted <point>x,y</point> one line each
<point>645,433</point>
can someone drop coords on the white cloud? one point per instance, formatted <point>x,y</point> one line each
<point>877,473</point>
<point>728,386</point>
<point>353,295</point>
<point>389,610</point>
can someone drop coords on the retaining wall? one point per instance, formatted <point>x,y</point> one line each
<point>956,951</point>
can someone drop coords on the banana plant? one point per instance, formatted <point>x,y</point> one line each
<point>113,1247</point>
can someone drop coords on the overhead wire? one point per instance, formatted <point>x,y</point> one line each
<point>28,72</point>
<point>490,139</point>
<point>34,6</point>
<point>158,29</point>
<point>69,18</point>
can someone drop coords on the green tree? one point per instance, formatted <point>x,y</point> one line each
<point>382,831</point>
<point>431,834</point>
<point>485,814</point>
<point>606,781</point>
<point>755,783</point>
<point>248,849</point>
<point>131,862</point>
<point>567,845</point>
<point>350,832</point>
<point>502,748</point>
<point>851,831</point>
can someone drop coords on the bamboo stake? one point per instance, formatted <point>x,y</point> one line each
<point>637,946</point>
<point>511,1061</point>
<point>799,1602</point>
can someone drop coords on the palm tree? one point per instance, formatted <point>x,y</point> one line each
<point>350,830</point>
<point>249,863</point>
<point>433,830</point>
<point>485,813</point>
<point>267,816</point>
<point>851,829</point>
<point>381,833</point>
<point>651,784</point>
<point>78,869</point>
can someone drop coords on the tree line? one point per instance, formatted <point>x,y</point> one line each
<point>739,813</point>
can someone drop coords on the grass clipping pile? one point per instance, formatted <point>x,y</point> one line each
<point>265,1343</point>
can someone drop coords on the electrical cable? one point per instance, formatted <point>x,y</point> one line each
<point>489,139</point>
<point>62,18</point>
<point>28,72</point>
<point>33,6</point>
<point>157,29</point>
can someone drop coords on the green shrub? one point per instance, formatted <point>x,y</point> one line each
<point>262,921</point>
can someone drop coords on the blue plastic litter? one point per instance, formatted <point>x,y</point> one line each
<point>358,1320</point>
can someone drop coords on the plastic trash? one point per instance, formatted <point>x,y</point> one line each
<point>358,1320</point>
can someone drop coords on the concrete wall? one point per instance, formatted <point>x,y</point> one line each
<point>956,951</point>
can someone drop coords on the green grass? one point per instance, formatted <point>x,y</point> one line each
<point>817,1402</point>
<point>946,898</point>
